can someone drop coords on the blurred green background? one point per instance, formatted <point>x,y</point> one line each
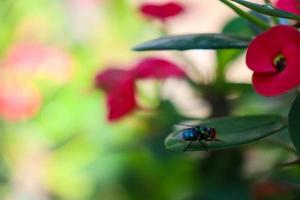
<point>55,140</point>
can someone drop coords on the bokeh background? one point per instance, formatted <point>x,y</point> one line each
<point>55,141</point>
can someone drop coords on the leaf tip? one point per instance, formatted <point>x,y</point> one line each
<point>137,48</point>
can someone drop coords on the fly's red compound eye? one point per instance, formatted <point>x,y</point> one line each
<point>213,133</point>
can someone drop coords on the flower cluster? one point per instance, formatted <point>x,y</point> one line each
<point>120,84</point>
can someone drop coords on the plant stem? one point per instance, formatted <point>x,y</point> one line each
<point>191,65</point>
<point>269,4</point>
<point>255,20</point>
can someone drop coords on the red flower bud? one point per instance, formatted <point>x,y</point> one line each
<point>161,11</point>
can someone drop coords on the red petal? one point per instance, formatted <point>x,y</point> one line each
<point>112,78</point>
<point>266,46</point>
<point>161,11</point>
<point>120,89</point>
<point>272,84</point>
<point>121,101</point>
<point>289,6</point>
<point>157,68</point>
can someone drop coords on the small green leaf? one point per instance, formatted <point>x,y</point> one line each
<point>267,10</point>
<point>195,41</point>
<point>236,26</point>
<point>232,131</point>
<point>294,123</point>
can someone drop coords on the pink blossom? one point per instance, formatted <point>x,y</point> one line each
<point>38,60</point>
<point>18,101</point>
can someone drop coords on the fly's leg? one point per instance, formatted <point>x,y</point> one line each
<point>215,139</point>
<point>203,144</point>
<point>187,146</point>
<point>218,140</point>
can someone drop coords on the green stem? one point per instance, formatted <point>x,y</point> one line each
<point>220,74</point>
<point>269,4</point>
<point>296,91</point>
<point>199,77</point>
<point>255,20</point>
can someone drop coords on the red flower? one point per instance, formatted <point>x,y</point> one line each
<point>161,11</point>
<point>273,56</point>
<point>119,84</point>
<point>292,6</point>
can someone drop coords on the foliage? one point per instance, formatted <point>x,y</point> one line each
<point>66,65</point>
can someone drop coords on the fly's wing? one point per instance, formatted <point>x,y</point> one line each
<point>185,125</point>
<point>178,132</point>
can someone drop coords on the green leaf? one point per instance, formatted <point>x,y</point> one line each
<point>267,10</point>
<point>251,18</point>
<point>236,26</point>
<point>294,123</point>
<point>233,131</point>
<point>195,41</point>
